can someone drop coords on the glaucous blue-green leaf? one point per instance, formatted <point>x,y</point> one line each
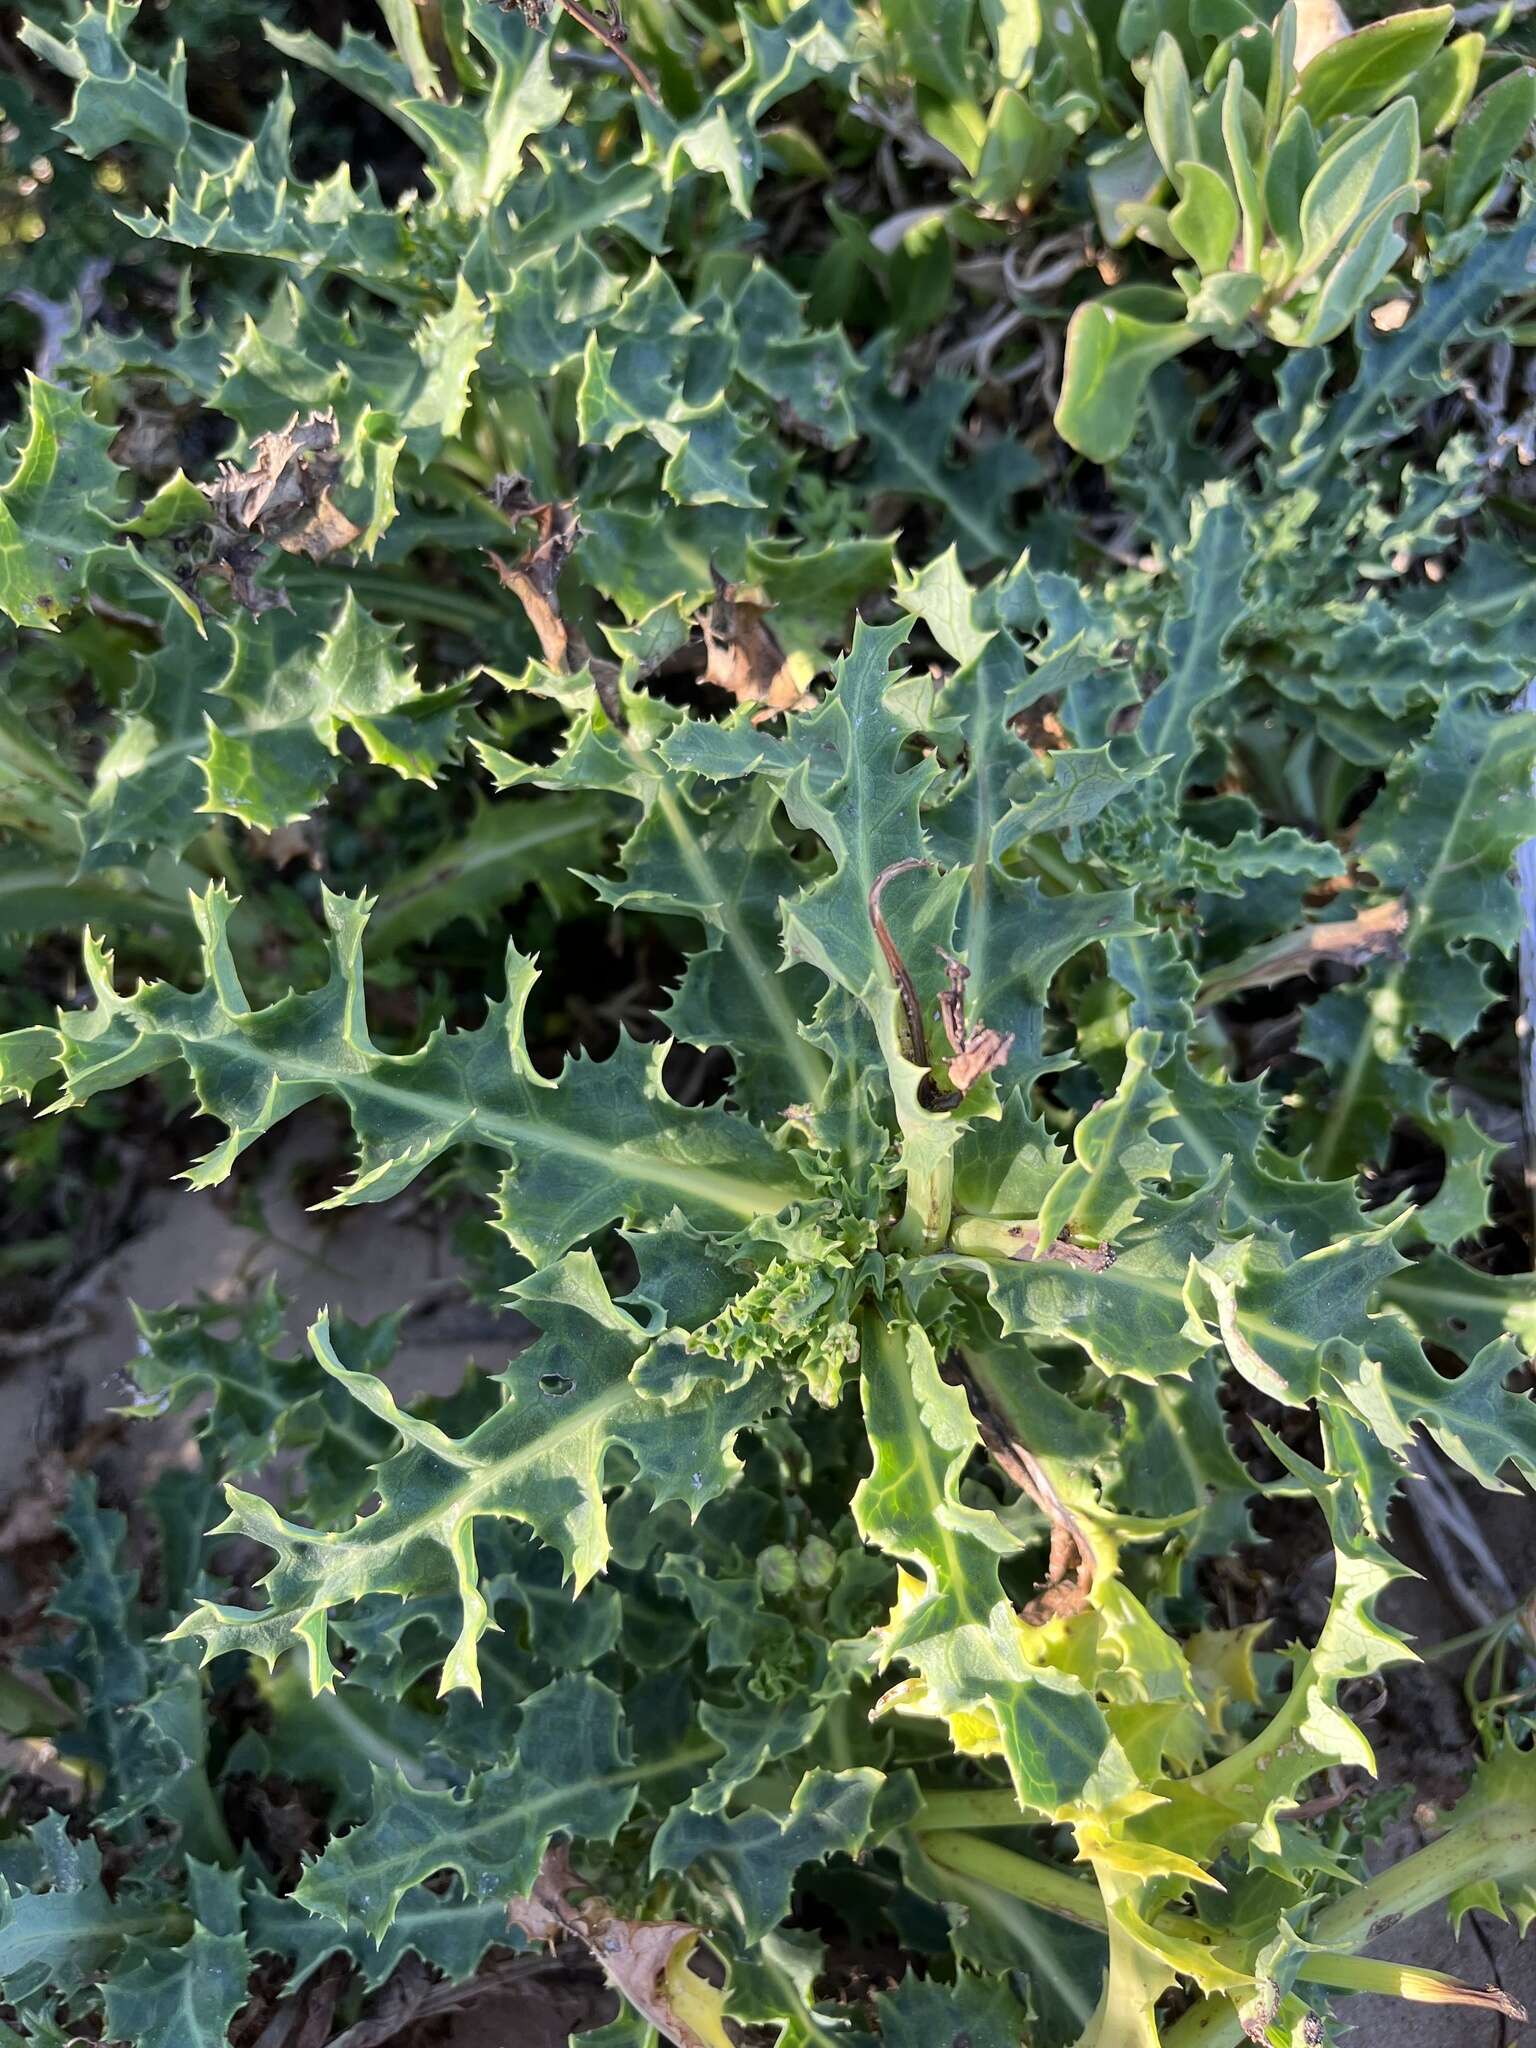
<point>539,1458</point>
<point>445,1929</point>
<point>750,1859</point>
<point>1115,1152</point>
<point>568,1777</point>
<point>921,2011</point>
<point>473,145</point>
<point>1127,1313</point>
<point>1197,676</point>
<point>1474,1417</point>
<point>173,1997</point>
<point>250,727</point>
<point>1402,369</point>
<point>911,446</point>
<point>63,1927</point>
<point>253,1068</point>
<point>728,868</point>
<point>60,512</point>
<point>1442,835</point>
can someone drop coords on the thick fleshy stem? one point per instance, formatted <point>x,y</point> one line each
<point>1214,2022</point>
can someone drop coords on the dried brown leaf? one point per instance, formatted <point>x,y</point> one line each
<point>1073,1564</point>
<point>534,578</point>
<point>974,1048</point>
<point>743,655</point>
<point>645,1960</point>
<point>984,1050</point>
<point>1346,942</point>
<point>288,472</point>
<point>282,498</point>
<point>534,581</point>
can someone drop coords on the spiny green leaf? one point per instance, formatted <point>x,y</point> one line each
<point>911,453</point>
<point>1442,834</point>
<point>253,1068</point>
<point>569,1777</point>
<point>920,2012</point>
<point>1114,1153</point>
<point>59,1935</point>
<point>951,1624</point>
<point>539,1458</point>
<point>450,1932</point>
<point>57,508</point>
<point>174,1997</point>
<point>1398,370</point>
<point>1198,678</point>
<point>751,1858</point>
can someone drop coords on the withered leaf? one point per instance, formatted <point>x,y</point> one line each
<point>974,1048</point>
<point>1349,942</point>
<point>743,655</point>
<point>534,578</point>
<point>645,1960</point>
<point>285,494</point>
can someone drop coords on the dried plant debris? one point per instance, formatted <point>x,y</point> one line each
<point>283,498</point>
<point>648,1961</point>
<point>535,577</point>
<point>742,655</point>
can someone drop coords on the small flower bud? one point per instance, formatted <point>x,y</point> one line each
<point>818,1562</point>
<point>776,1569</point>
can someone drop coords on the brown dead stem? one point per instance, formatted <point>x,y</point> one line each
<point>533,580</point>
<point>1347,942</point>
<point>608,27</point>
<point>1072,1564</point>
<point>974,1050</point>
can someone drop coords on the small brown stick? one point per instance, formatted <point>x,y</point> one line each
<point>613,35</point>
<point>1347,942</point>
<point>533,581</point>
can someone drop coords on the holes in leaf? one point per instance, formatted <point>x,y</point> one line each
<point>556,1384</point>
<point>697,1076</point>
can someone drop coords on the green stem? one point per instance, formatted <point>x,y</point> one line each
<point>1022,1877</point>
<point>993,1237</point>
<point>1047,857</point>
<point>1497,1842</point>
<point>1417,1882</point>
<point>1388,1980</point>
<point>190,1802</point>
<point>980,1809</point>
<point>924,1222</point>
